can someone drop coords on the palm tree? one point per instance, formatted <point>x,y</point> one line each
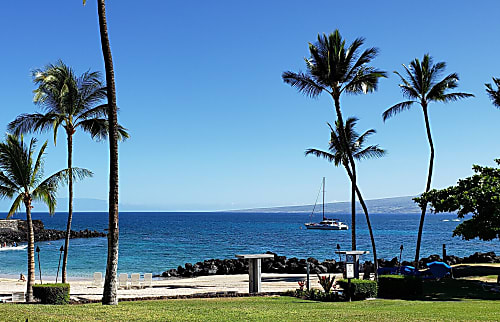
<point>494,94</point>
<point>110,282</point>
<point>21,178</point>
<point>338,155</point>
<point>335,69</point>
<point>69,102</point>
<point>422,86</point>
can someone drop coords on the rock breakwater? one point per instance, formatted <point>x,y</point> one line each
<point>20,235</point>
<point>281,264</point>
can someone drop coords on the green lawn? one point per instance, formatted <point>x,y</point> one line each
<point>258,308</point>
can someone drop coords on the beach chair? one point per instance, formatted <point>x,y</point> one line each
<point>18,297</point>
<point>123,280</point>
<point>135,280</point>
<point>97,282</point>
<point>148,280</point>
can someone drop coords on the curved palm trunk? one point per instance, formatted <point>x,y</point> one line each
<point>428,185</point>
<point>70,207</point>
<point>109,296</point>
<point>353,178</point>
<point>368,223</point>
<point>31,254</point>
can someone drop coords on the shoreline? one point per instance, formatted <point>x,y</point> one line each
<point>84,291</point>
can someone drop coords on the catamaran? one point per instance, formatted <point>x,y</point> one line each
<point>326,223</point>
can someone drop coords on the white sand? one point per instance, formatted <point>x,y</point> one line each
<point>82,289</point>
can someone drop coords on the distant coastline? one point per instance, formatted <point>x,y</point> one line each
<point>395,205</point>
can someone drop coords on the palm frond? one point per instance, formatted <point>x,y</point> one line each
<point>31,123</point>
<point>439,88</point>
<point>16,205</point>
<point>362,138</point>
<point>326,155</point>
<point>302,83</point>
<point>14,160</point>
<point>454,97</point>
<point>8,186</point>
<point>372,151</point>
<point>365,81</point>
<point>398,108</point>
<point>37,171</point>
<point>99,129</point>
<point>99,111</point>
<point>494,94</point>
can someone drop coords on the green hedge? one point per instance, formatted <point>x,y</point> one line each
<point>360,289</point>
<point>399,286</point>
<point>52,293</point>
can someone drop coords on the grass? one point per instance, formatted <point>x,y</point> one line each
<point>257,308</point>
<point>458,289</point>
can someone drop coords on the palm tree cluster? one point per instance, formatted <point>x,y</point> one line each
<point>335,68</point>
<point>72,103</point>
<point>67,101</point>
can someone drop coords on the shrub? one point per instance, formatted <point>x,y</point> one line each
<point>52,293</point>
<point>326,282</point>
<point>360,289</point>
<point>399,286</point>
<point>315,295</point>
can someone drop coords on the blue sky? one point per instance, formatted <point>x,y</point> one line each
<point>214,127</point>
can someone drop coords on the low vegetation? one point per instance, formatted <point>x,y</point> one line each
<point>258,308</point>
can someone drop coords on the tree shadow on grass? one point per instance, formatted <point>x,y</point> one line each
<point>475,270</point>
<point>456,290</point>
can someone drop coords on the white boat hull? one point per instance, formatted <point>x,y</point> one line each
<point>14,248</point>
<point>326,228</point>
<point>320,226</point>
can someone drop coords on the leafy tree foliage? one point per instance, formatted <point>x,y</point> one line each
<point>478,195</point>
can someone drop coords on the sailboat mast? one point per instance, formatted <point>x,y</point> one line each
<point>323,198</point>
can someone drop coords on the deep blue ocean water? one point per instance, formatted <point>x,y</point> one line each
<point>155,242</point>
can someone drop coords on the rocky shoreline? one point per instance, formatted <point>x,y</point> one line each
<point>281,264</point>
<point>41,234</point>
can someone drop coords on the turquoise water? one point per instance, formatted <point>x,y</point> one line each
<point>155,242</point>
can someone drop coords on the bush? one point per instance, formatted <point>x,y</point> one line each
<point>399,286</point>
<point>360,289</point>
<point>52,293</point>
<point>315,295</point>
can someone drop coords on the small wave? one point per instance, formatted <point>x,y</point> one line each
<point>446,220</point>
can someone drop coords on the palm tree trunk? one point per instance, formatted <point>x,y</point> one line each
<point>428,185</point>
<point>368,223</point>
<point>31,254</point>
<point>109,296</point>
<point>70,206</point>
<point>351,161</point>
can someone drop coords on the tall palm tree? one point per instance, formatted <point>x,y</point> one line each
<point>72,103</point>
<point>110,282</point>
<point>338,155</point>
<point>335,68</point>
<point>423,86</point>
<point>494,94</point>
<point>21,178</point>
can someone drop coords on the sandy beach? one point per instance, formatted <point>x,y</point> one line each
<point>82,289</point>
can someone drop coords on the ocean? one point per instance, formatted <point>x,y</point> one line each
<point>157,241</point>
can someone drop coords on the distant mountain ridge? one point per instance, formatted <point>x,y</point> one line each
<point>395,205</point>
